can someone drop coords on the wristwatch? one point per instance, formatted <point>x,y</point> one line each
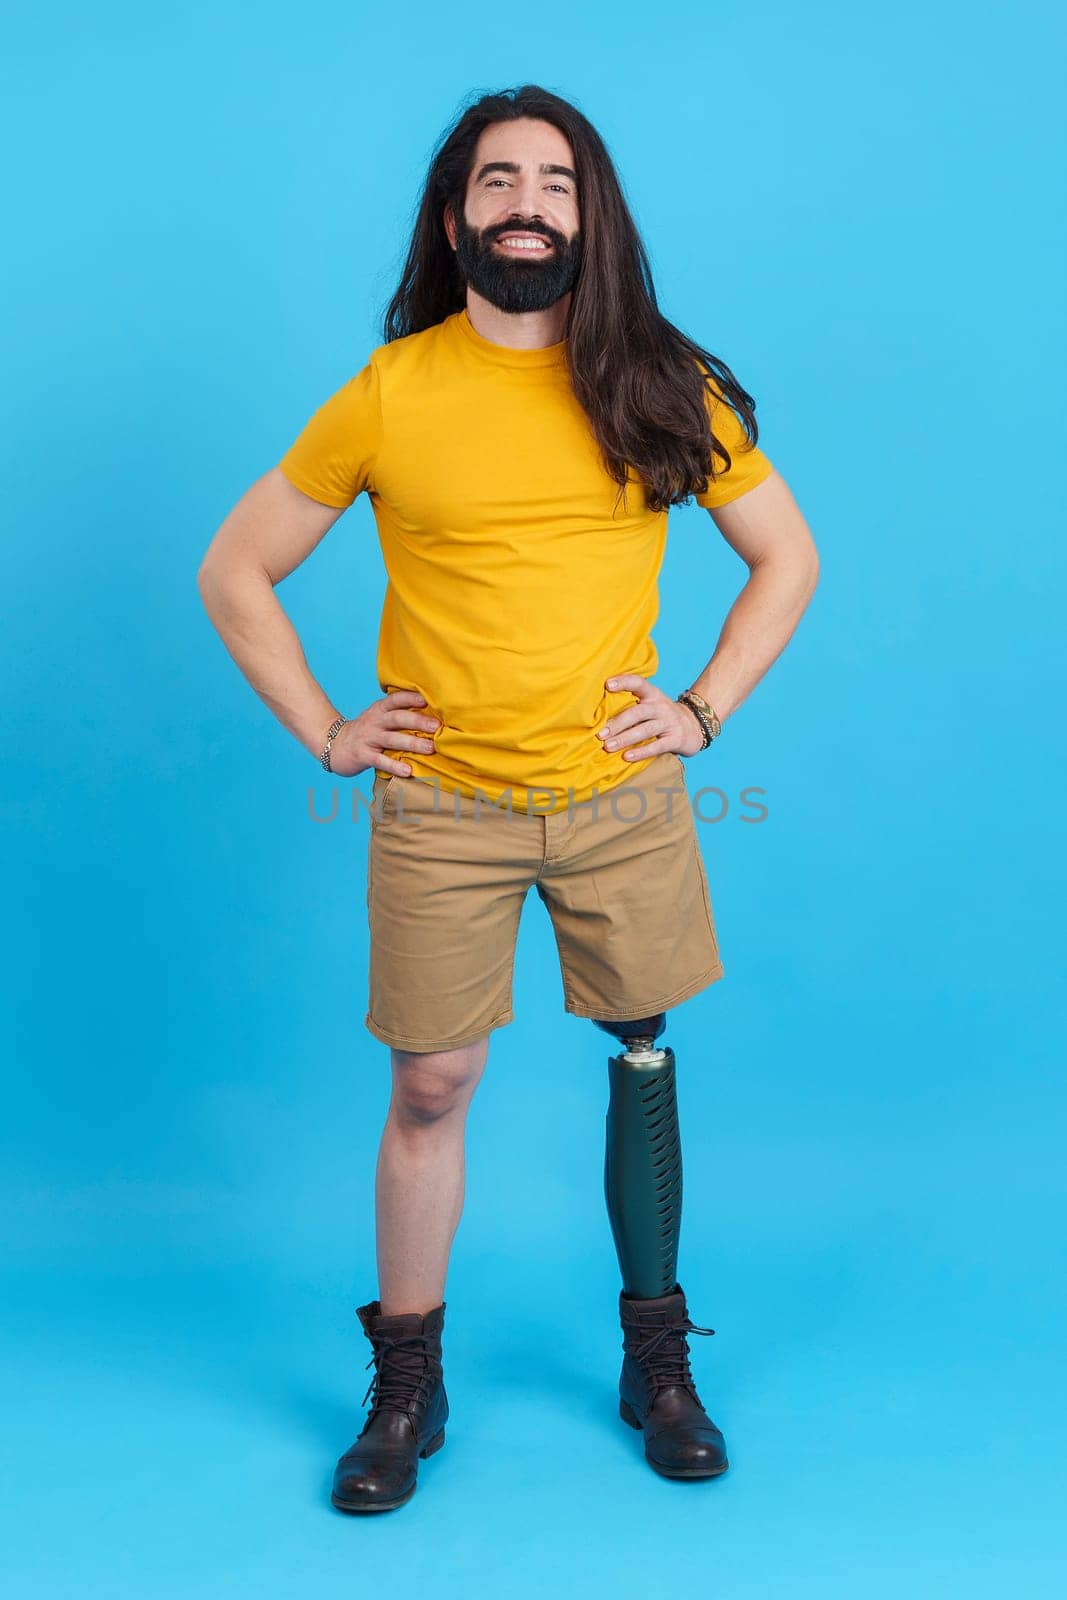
<point>705,714</point>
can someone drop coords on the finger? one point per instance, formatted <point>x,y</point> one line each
<point>629,726</point>
<point>405,697</point>
<point>395,769</point>
<point>656,747</point>
<point>627,742</point>
<point>407,741</point>
<point>642,712</point>
<point>628,680</point>
<point>411,719</point>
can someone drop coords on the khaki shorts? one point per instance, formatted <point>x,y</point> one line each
<point>621,875</point>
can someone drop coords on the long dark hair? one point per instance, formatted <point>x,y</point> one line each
<point>641,382</point>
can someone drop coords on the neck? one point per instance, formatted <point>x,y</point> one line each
<point>521,330</point>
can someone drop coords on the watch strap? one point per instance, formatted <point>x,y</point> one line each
<point>325,756</point>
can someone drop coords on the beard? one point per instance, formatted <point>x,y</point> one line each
<point>513,283</point>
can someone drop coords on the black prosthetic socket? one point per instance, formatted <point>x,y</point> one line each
<point>643,1160</point>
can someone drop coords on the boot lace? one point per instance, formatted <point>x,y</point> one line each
<point>665,1354</point>
<point>404,1372</point>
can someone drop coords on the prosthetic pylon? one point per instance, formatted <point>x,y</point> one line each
<point>643,1158</point>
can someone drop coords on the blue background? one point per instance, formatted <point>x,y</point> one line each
<point>854,207</point>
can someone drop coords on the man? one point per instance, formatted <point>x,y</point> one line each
<point>521,434</point>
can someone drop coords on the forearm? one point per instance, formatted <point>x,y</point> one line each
<point>757,629</point>
<point>249,619</point>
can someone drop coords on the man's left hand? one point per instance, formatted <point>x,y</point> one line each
<point>666,723</point>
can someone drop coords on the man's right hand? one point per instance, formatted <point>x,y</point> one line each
<point>360,744</point>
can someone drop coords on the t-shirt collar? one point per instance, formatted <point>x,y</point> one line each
<point>505,355</point>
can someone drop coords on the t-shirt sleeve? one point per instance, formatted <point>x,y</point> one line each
<point>332,458</point>
<point>748,464</point>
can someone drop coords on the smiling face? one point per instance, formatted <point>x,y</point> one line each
<point>518,243</point>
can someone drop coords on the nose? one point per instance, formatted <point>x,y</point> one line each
<point>525,199</point>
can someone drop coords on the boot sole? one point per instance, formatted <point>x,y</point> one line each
<point>628,1415</point>
<point>390,1505</point>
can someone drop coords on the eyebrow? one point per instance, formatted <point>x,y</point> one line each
<point>546,167</point>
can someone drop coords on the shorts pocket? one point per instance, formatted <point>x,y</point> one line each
<point>382,791</point>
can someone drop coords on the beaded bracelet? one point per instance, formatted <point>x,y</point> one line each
<point>705,714</point>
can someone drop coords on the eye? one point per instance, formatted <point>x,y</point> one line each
<point>562,187</point>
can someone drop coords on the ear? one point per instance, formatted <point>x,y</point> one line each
<point>450,224</point>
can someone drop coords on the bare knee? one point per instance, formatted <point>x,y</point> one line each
<point>429,1086</point>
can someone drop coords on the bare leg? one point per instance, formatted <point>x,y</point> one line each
<point>421,1172</point>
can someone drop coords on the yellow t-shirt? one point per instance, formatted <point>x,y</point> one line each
<point>514,587</point>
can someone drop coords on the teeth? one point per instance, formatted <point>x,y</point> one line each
<point>525,244</point>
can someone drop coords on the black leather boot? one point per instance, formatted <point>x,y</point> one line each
<point>408,1411</point>
<point>656,1389</point>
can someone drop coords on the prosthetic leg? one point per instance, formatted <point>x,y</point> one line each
<point>643,1190</point>
<point>643,1158</point>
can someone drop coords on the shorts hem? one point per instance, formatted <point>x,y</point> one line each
<point>405,1042</point>
<point>712,975</point>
